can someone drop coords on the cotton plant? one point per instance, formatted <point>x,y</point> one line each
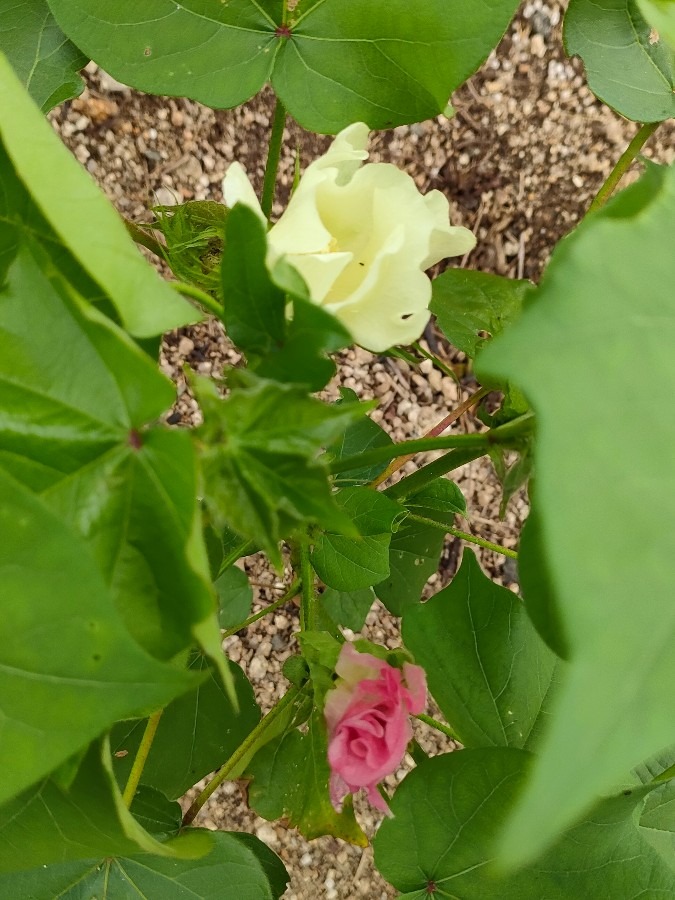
<point>120,536</point>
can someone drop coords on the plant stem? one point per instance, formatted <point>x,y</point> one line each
<point>204,299</point>
<point>503,435</point>
<point>273,156</point>
<point>290,593</point>
<point>644,133</point>
<point>465,536</point>
<point>439,726</point>
<point>411,484</point>
<point>440,365</point>
<point>141,757</point>
<point>240,753</point>
<point>308,610</point>
<point>438,429</point>
<point>141,236</point>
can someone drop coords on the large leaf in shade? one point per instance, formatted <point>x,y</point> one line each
<point>350,564</point>
<point>42,56</point>
<point>625,67</point>
<point>472,307</point>
<point>607,542</point>
<point>77,429</point>
<point>238,867</point>
<point>50,824</point>
<point>196,734</point>
<point>69,668</point>
<point>414,554</point>
<point>83,221</point>
<point>448,812</point>
<point>259,452</point>
<point>290,778</point>
<point>487,668</point>
<point>660,14</point>
<point>378,61</point>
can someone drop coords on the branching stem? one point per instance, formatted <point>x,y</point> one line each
<point>465,536</point>
<point>241,753</point>
<point>438,429</point>
<point>285,598</point>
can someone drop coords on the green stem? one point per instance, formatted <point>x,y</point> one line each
<point>413,483</point>
<point>141,757</point>
<point>465,536</point>
<point>290,593</point>
<point>273,156</point>
<point>503,435</point>
<point>439,726</point>
<point>141,236</point>
<point>625,160</point>
<point>240,753</point>
<point>204,299</point>
<point>308,610</point>
<point>443,367</point>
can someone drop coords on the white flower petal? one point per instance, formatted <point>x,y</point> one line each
<point>319,270</point>
<point>238,189</point>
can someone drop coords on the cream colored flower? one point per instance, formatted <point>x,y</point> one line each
<point>361,237</point>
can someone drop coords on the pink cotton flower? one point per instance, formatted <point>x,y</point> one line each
<point>368,718</point>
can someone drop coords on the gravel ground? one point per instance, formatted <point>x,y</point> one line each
<point>526,151</point>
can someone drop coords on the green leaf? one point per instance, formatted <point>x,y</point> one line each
<point>350,564</point>
<point>287,349</point>
<point>414,554</point>
<point>359,436</point>
<point>259,453</point>
<point>660,14</point>
<point>537,589</point>
<point>235,596</point>
<point>348,608</point>
<point>69,667</point>
<point>197,733</point>
<point>625,69</point>
<point>607,544</point>
<point>47,824</point>
<point>290,779</point>
<point>40,53</point>
<point>254,307</point>
<point>381,62</point>
<point>441,501</point>
<point>447,814</point>
<point>155,812</point>
<point>239,867</point>
<point>82,219</point>
<point>373,60</point>
<point>81,434</point>
<point>471,307</point>
<point>487,668</point>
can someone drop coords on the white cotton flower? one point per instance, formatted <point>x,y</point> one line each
<point>361,236</point>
